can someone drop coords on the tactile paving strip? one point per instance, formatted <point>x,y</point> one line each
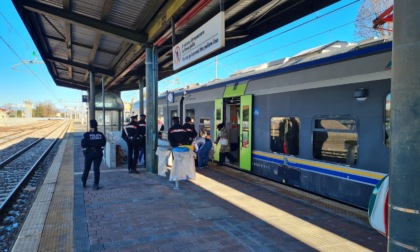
<point>58,228</point>
<point>29,238</point>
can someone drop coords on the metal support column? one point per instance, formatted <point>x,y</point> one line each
<point>168,115</point>
<point>151,109</point>
<point>404,175</point>
<point>154,97</point>
<point>103,105</point>
<point>91,96</point>
<point>141,96</point>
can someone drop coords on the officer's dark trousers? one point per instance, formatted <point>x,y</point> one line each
<point>133,155</point>
<point>96,158</point>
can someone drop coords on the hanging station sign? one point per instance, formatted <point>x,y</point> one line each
<point>205,40</point>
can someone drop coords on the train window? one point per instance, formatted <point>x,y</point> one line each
<point>284,136</point>
<point>335,140</point>
<point>161,121</point>
<point>388,120</point>
<point>245,126</point>
<point>204,127</point>
<point>174,113</point>
<point>218,114</point>
<point>190,113</point>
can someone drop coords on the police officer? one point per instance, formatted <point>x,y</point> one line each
<point>177,134</point>
<point>131,135</point>
<point>189,127</point>
<point>92,143</point>
<point>142,132</point>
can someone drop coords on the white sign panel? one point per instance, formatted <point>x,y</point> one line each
<point>206,39</point>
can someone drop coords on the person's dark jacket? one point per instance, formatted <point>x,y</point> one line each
<point>142,127</point>
<point>177,135</point>
<point>191,132</point>
<point>93,141</point>
<point>131,133</point>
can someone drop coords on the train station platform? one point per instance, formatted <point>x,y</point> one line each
<point>223,209</point>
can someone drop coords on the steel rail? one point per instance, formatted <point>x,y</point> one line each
<point>25,178</point>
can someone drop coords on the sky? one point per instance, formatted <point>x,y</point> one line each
<point>20,81</point>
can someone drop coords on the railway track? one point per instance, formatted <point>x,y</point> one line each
<point>16,167</point>
<point>12,135</point>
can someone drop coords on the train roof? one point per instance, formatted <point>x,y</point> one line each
<point>309,55</point>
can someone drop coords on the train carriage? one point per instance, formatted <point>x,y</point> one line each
<point>317,121</point>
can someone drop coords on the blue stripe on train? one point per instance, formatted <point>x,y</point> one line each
<point>349,176</point>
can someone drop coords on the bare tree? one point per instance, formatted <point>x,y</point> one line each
<point>45,109</point>
<point>369,10</point>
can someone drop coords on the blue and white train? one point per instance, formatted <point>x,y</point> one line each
<point>317,121</point>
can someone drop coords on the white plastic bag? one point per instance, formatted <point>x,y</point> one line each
<point>223,141</point>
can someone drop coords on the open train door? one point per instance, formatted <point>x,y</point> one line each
<point>218,118</point>
<point>245,137</point>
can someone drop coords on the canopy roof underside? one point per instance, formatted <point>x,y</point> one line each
<point>109,37</point>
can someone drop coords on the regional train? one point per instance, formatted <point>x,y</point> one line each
<point>318,121</point>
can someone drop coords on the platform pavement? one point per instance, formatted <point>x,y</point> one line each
<point>221,210</point>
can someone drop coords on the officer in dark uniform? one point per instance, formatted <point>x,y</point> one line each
<point>177,134</point>
<point>92,143</point>
<point>191,132</point>
<point>131,135</point>
<point>142,130</point>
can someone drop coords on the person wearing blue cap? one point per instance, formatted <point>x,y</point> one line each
<point>92,143</point>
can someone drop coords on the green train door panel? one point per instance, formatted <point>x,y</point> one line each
<point>218,118</point>
<point>245,137</point>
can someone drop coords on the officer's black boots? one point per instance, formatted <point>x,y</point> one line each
<point>95,187</point>
<point>84,183</point>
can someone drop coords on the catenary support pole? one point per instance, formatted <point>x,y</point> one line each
<point>404,175</point>
<point>91,96</point>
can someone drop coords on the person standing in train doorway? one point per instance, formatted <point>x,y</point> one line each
<point>92,143</point>
<point>142,132</point>
<point>131,135</point>
<point>191,132</point>
<point>224,140</point>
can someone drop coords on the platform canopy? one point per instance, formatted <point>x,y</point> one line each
<point>109,37</point>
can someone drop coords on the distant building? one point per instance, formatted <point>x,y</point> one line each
<point>28,109</point>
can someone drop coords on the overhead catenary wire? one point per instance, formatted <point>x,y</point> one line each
<point>26,62</point>
<point>29,69</point>
<point>12,27</point>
